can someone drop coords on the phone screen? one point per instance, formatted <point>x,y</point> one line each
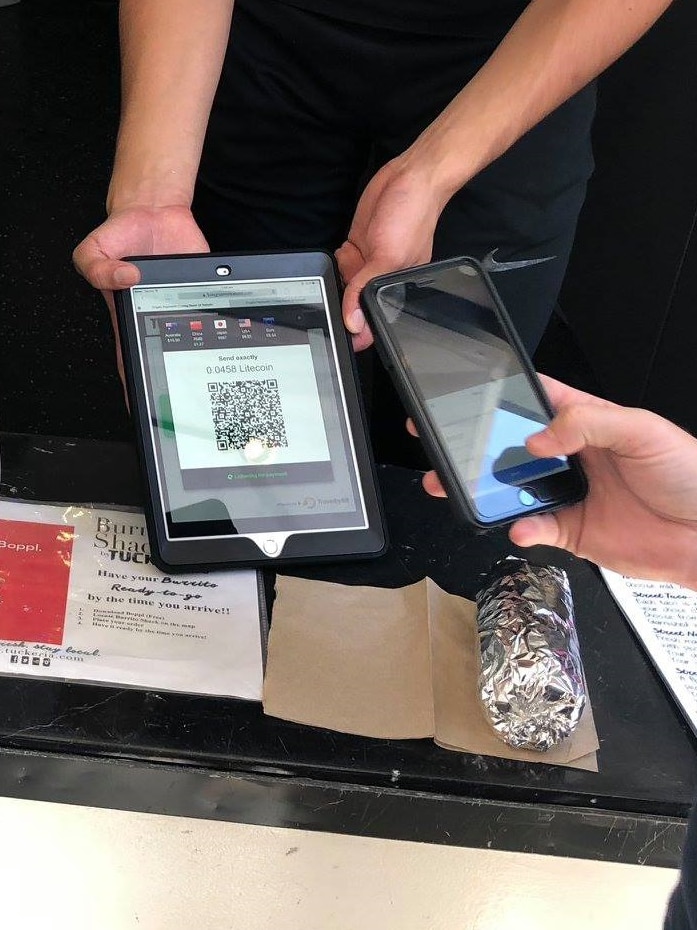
<point>247,413</point>
<point>474,388</point>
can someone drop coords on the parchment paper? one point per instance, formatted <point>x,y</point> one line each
<point>390,663</point>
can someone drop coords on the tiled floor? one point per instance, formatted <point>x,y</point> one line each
<point>74,868</point>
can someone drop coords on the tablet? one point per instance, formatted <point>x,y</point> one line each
<point>250,428</point>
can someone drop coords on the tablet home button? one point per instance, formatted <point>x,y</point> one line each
<point>270,546</point>
<point>526,498</point>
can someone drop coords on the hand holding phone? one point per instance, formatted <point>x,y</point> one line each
<point>465,378</point>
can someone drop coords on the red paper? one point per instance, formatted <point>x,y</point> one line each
<point>34,574</point>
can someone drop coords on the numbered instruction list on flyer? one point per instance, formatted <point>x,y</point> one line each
<point>80,599</point>
<point>664,617</point>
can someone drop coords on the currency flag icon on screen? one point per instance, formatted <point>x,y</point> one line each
<point>196,326</point>
<point>220,324</point>
<point>245,323</point>
<point>171,326</point>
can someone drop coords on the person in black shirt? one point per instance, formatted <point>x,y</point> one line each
<point>314,96</point>
<point>388,131</point>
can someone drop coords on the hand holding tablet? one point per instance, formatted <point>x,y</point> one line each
<point>250,430</point>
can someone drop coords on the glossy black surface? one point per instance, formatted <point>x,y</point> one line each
<point>647,757</point>
<point>313,804</point>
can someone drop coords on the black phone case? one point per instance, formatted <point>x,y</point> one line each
<point>378,542</point>
<point>456,495</point>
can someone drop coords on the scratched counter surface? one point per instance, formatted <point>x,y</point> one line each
<point>222,758</point>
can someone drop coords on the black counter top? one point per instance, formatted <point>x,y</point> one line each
<point>647,757</point>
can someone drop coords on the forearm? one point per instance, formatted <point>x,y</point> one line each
<point>555,48</point>
<point>172,53</point>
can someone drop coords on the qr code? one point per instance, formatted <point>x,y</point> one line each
<point>244,411</point>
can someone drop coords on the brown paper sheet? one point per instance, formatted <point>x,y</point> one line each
<point>460,721</point>
<point>343,658</point>
<point>390,663</point>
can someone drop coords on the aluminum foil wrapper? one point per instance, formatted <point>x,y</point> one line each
<point>531,681</point>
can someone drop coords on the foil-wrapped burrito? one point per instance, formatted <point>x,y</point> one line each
<point>531,681</point>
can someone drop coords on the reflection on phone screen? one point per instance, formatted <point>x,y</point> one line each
<point>474,387</point>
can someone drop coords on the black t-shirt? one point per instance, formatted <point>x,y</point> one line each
<point>475,18</point>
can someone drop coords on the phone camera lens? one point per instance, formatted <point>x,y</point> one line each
<point>223,271</point>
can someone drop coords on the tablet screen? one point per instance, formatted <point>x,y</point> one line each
<point>246,409</point>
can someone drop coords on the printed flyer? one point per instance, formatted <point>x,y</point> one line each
<point>664,617</point>
<point>80,600</point>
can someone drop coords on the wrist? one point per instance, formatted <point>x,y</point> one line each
<point>149,182</point>
<point>147,192</point>
<point>447,156</point>
<point>688,577</point>
<point>430,166</point>
<point>424,169</point>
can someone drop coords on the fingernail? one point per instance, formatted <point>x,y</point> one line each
<point>123,277</point>
<point>356,321</point>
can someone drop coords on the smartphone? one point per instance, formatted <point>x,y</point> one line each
<point>467,382</point>
<point>249,426</point>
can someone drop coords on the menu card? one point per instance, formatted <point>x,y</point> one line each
<point>664,617</point>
